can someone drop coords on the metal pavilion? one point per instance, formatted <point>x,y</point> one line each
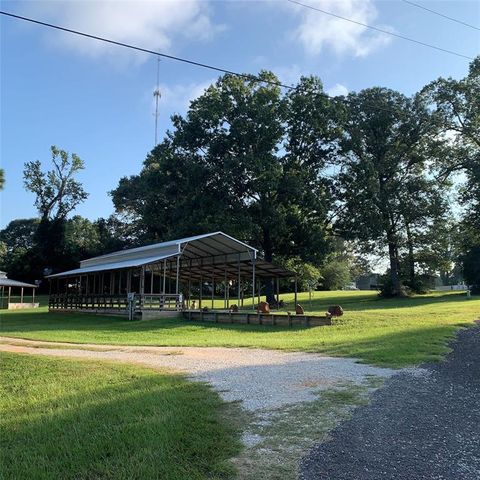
<point>7,286</point>
<point>157,279</point>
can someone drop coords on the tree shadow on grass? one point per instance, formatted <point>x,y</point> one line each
<point>143,426</point>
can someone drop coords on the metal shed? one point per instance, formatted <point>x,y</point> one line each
<point>160,277</point>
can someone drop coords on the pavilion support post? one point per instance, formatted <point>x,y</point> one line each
<point>258,291</point>
<point>142,280</point>
<point>200,295</point>
<point>142,286</point>
<point>253,280</point>
<point>239,281</point>
<point>21,295</point>
<point>151,278</point>
<point>177,281</point>
<point>228,293</point>
<point>120,282</point>
<point>33,295</point>
<point>189,303</point>
<point>278,293</point>
<point>9,295</point>
<point>213,291</point>
<point>164,276</point>
<point>225,290</point>
<point>296,293</point>
<point>129,281</point>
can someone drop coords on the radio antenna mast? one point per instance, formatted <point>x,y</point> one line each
<point>157,95</point>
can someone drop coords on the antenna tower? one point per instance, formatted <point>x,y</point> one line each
<point>157,95</point>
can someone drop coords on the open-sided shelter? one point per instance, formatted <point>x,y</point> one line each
<point>11,289</point>
<point>159,278</point>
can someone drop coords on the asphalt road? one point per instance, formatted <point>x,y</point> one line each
<point>424,424</point>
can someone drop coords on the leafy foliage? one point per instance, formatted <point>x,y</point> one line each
<point>57,192</point>
<point>335,275</point>
<point>384,187</point>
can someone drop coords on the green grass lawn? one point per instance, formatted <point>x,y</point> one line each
<point>65,419</point>
<point>388,332</point>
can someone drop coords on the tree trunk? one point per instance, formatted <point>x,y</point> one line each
<point>394,273</point>
<point>411,259</point>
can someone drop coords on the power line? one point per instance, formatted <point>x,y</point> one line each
<point>146,50</point>
<point>441,14</point>
<point>381,30</point>
<point>191,62</point>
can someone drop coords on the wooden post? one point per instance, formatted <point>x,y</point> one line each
<point>151,278</point>
<point>33,295</point>
<point>9,295</point>
<point>258,291</point>
<point>200,293</point>
<point>21,295</point>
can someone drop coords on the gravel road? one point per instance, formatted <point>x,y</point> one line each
<point>261,379</point>
<point>423,424</point>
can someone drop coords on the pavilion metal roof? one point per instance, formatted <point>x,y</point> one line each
<point>202,255</point>
<point>7,282</point>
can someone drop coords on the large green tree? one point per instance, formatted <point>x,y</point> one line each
<point>457,104</point>
<point>245,159</point>
<point>57,194</point>
<point>385,192</point>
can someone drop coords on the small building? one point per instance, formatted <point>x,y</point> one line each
<point>12,288</point>
<point>370,281</point>
<point>157,280</point>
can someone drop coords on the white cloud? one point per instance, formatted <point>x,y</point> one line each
<point>177,98</point>
<point>337,89</point>
<point>154,24</point>
<point>318,31</point>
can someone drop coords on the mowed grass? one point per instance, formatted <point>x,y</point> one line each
<point>387,332</point>
<point>65,419</point>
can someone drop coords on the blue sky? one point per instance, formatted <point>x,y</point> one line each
<point>96,100</point>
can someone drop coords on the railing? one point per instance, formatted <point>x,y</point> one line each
<point>159,301</point>
<point>71,301</point>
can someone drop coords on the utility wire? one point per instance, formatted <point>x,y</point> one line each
<point>451,52</point>
<point>191,62</point>
<point>146,50</point>
<point>441,14</point>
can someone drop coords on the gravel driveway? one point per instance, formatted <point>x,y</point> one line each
<point>424,424</point>
<point>261,379</point>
